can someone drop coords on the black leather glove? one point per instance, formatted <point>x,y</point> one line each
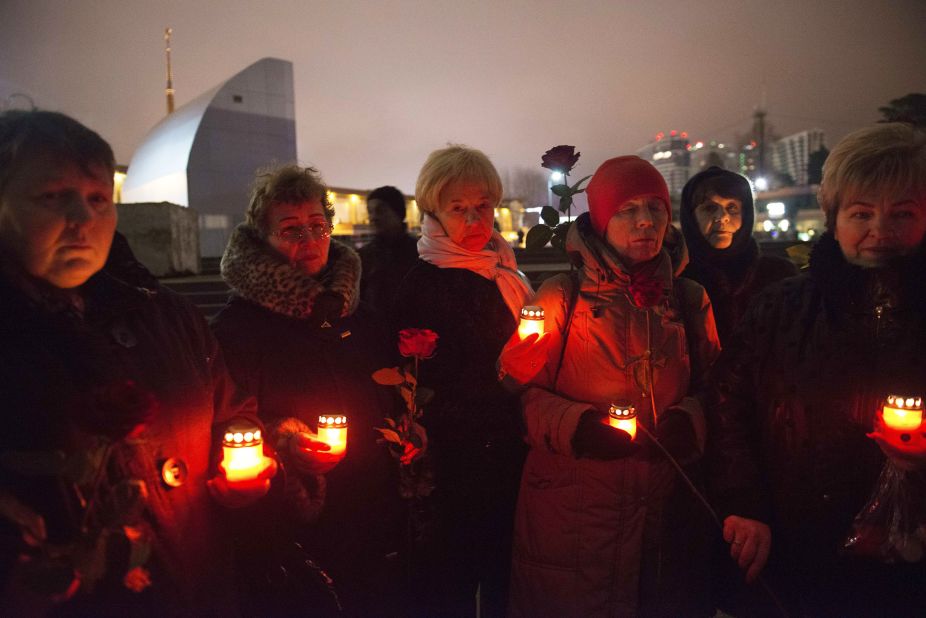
<point>677,435</point>
<point>596,439</point>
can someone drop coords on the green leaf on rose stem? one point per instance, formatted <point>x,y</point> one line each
<point>561,190</point>
<point>388,376</point>
<point>562,229</point>
<point>418,430</point>
<point>538,237</point>
<point>564,203</point>
<point>423,396</point>
<point>407,396</point>
<point>389,435</point>
<point>549,216</point>
<point>410,378</point>
<point>576,185</point>
<point>390,421</point>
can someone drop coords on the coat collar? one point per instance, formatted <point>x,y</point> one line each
<point>256,273</point>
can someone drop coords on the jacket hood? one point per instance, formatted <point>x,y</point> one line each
<point>255,272</point>
<point>700,249</point>
<point>598,262</point>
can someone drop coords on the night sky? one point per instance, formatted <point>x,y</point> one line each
<point>381,84</point>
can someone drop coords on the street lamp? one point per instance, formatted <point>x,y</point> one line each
<point>555,178</point>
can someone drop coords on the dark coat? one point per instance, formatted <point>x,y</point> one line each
<point>63,381</point>
<point>731,276</point>
<point>474,429</point>
<point>798,388</point>
<point>306,360</point>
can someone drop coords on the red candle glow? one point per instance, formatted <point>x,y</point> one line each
<point>623,416</point>
<point>332,430</point>
<point>243,452</point>
<point>531,321</point>
<point>902,413</point>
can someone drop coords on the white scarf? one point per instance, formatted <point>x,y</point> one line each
<point>495,262</point>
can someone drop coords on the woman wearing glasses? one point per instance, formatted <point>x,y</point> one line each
<point>294,338</point>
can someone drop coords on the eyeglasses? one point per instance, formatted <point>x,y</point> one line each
<point>301,233</point>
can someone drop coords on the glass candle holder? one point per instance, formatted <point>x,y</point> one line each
<point>332,430</point>
<point>531,321</point>
<point>902,413</point>
<point>624,417</point>
<point>243,452</point>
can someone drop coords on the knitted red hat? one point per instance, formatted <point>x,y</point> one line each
<point>619,180</point>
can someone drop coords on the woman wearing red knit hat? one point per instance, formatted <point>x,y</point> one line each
<point>604,526</point>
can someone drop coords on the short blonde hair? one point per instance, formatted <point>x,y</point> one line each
<point>286,184</point>
<point>885,158</point>
<point>455,163</point>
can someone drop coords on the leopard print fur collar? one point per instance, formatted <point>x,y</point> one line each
<point>254,272</point>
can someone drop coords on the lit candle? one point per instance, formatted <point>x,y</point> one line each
<point>332,430</point>
<point>902,413</point>
<point>623,417</point>
<point>243,452</point>
<point>531,321</point>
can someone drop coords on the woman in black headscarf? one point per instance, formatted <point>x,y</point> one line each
<point>717,218</point>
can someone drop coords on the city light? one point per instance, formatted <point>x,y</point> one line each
<point>776,210</point>
<point>783,225</point>
<point>761,184</point>
<point>768,226</point>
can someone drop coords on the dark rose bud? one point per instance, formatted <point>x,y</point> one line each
<point>561,159</point>
<point>645,292</point>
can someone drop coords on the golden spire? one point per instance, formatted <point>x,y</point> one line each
<point>170,77</point>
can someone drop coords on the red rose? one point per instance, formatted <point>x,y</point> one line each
<point>560,159</point>
<point>418,343</point>
<point>645,291</point>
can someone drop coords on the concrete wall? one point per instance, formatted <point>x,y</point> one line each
<point>163,236</point>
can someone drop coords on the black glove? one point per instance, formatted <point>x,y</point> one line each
<point>596,439</point>
<point>677,435</point>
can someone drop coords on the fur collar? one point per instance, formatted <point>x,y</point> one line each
<point>255,272</point>
<point>856,289</point>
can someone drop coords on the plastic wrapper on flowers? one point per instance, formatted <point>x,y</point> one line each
<point>892,525</point>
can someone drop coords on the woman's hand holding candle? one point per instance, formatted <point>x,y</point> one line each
<point>310,456</point>
<point>238,494</point>
<point>523,359</point>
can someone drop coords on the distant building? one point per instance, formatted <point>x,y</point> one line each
<point>205,154</point>
<point>791,154</point>
<point>713,153</point>
<point>669,153</point>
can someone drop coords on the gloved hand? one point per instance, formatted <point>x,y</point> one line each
<point>677,435</point>
<point>596,439</point>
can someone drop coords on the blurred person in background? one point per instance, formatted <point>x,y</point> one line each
<point>391,254</point>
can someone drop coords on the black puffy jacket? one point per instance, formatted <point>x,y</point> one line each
<point>797,390</point>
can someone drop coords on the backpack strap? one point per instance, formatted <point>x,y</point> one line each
<point>570,311</point>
